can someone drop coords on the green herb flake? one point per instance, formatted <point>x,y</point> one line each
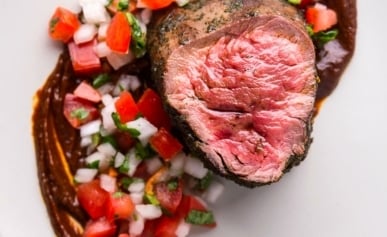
<point>95,139</point>
<point>118,194</point>
<point>294,2</point>
<point>100,80</point>
<point>117,121</point>
<point>324,37</point>
<point>124,168</point>
<point>123,5</point>
<point>93,165</point>
<point>151,199</point>
<point>205,182</point>
<point>172,184</point>
<point>80,113</point>
<point>200,217</point>
<point>110,139</point>
<point>138,42</point>
<point>143,152</point>
<point>126,182</point>
<point>53,23</point>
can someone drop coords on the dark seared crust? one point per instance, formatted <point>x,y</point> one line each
<point>175,27</point>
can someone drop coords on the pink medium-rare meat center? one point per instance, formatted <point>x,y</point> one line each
<point>248,98</point>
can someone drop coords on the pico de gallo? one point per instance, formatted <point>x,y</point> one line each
<point>136,179</point>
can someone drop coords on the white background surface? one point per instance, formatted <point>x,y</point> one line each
<point>340,190</point>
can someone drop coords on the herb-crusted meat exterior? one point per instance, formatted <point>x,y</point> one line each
<point>239,79</point>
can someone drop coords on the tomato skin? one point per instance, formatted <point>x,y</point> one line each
<point>83,57</point>
<point>126,107</point>
<point>320,18</point>
<point>100,228</point>
<point>157,4</point>
<point>87,92</point>
<point>165,144</point>
<point>114,6</point>
<point>120,206</point>
<point>189,203</point>
<point>119,33</point>
<point>166,226</point>
<point>151,107</point>
<point>73,103</point>
<point>63,24</point>
<point>169,199</point>
<point>93,199</point>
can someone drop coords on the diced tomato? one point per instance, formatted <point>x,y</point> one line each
<point>85,91</point>
<point>156,4</point>
<point>78,111</point>
<point>152,109</point>
<point>83,57</point>
<point>63,24</point>
<point>124,141</point>
<point>165,144</point>
<point>166,226</point>
<point>124,235</point>
<point>320,17</point>
<point>126,107</point>
<point>141,171</point>
<point>120,207</point>
<point>149,228</point>
<point>115,6</point>
<point>169,197</point>
<point>119,33</point>
<point>100,228</point>
<point>93,199</point>
<point>189,203</point>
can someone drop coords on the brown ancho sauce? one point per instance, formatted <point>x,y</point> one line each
<point>57,144</point>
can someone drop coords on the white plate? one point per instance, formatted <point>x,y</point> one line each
<point>340,190</point>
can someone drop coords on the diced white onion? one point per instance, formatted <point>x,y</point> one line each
<point>85,175</point>
<point>148,211</point>
<point>183,229</point>
<point>86,141</point>
<point>107,120</point>
<point>96,156</point>
<point>123,83</point>
<point>320,6</point>
<point>137,186</point>
<point>177,165</point>
<point>119,160</point>
<point>102,30</point>
<point>107,99</point>
<point>133,162</point>
<point>85,33</point>
<point>146,15</point>
<point>135,83</point>
<point>108,183</point>
<point>118,60</point>
<point>95,12</point>
<point>144,127</point>
<point>137,197</point>
<point>152,165</point>
<point>213,192</point>
<point>107,149</point>
<point>181,3</point>
<point>136,225</point>
<point>195,167</point>
<point>85,2</point>
<point>90,128</point>
<point>102,50</point>
<point>106,88</point>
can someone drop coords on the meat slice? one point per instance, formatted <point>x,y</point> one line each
<point>239,80</point>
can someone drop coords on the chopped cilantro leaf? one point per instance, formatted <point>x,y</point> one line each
<point>205,182</point>
<point>151,199</point>
<point>138,43</point>
<point>143,152</point>
<point>117,121</point>
<point>172,185</point>
<point>124,168</point>
<point>80,113</point>
<point>324,37</point>
<point>126,182</point>
<point>123,5</point>
<point>100,80</point>
<point>53,23</point>
<point>93,165</point>
<point>200,217</point>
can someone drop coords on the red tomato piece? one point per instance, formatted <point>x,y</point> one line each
<point>124,141</point>
<point>124,235</point>
<point>100,228</point>
<point>149,228</point>
<point>78,111</point>
<point>168,197</point>
<point>320,18</point>
<point>93,199</point>
<point>120,207</point>
<point>119,33</point>
<point>126,107</point>
<point>83,57</point>
<point>166,226</point>
<point>165,144</point>
<point>157,4</point>
<point>63,24</point>
<point>85,91</point>
<point>152,109</point>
